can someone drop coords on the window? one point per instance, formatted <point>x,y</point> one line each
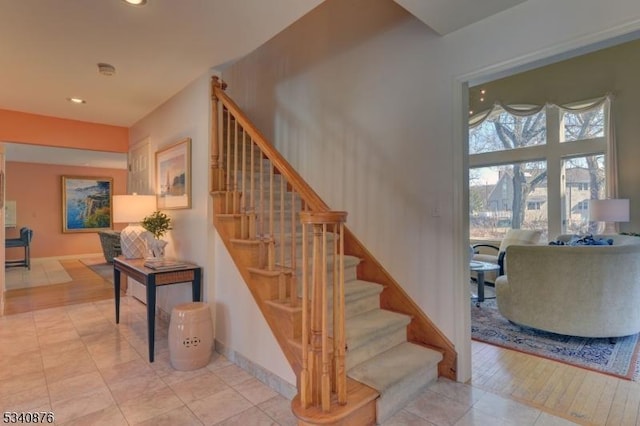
<point>536,168</point>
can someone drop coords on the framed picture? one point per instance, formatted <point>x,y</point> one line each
<point>173,176</point>
<point>86,203</point>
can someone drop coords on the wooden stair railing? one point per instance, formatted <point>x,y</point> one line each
<point>266,213</point>
<point>323,367</point>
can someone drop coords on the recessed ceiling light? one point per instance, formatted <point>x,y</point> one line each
<point>136,2</point>
<point>106,69</point>
<point>76,101</point>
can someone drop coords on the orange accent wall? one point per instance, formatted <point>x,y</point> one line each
<point>51,131</point>
<point>37,190</point>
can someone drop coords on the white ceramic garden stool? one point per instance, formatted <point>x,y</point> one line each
<point>190,336</point>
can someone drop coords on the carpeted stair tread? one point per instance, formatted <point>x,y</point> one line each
<point>390,367</point>
<point>372,325</point>
<point>398,374</point>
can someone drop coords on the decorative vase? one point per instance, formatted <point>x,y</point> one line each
<point>155,246</point>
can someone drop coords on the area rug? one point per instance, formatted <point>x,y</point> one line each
<point>100,267</point>
<point>618,358</point>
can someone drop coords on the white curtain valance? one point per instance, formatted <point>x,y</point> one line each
<point>526,110</point>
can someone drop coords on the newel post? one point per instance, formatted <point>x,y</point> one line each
<point>217,171</point>
<point>323,358</point>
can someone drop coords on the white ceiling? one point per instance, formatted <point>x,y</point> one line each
<point>49,50</point>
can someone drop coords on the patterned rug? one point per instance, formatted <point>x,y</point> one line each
<point>619,358</point>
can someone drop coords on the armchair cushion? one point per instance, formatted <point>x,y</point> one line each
<point>512,237</point>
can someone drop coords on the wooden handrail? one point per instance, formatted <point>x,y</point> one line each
<point>311,198</point>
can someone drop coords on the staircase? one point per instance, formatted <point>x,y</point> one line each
<point>360,347</point>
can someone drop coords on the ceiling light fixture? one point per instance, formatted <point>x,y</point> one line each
<point>106,69</point>
<point>77,101</point>
<point>136,2</point>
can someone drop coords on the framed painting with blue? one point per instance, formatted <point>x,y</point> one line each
<point>86,203</point>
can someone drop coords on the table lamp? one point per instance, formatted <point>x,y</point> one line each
<point>132,209</point>
<point>609,211</point>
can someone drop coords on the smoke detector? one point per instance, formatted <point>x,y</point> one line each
<point>106,69</point>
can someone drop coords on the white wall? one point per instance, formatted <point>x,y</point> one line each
<point>184,115</point>
<point>367,103</point>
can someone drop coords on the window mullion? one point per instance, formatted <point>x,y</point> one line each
<point>555,189</point>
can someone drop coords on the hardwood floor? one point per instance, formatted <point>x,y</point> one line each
<point>582,396</point>
<point>86,286</point>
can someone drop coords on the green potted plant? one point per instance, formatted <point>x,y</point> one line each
<point>156,224</point>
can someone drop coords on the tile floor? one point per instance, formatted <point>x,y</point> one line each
<point>77,363</point>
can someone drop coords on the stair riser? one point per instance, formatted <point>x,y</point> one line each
<point>406,390</point>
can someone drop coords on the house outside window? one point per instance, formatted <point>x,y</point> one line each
<point>541,165</point>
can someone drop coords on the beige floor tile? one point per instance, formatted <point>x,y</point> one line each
<point>25,400</point>
<point>70,365</point>
<point>114,374</point>
<point>459,391</point>
<point>475,417</point>
<point>109,416</point>
<point>180,416</point>
<point>81,405</point>
<point>218,361</point>
<point>22,383</point>
<point>76,386</point>
<point>279,409</point>
<point>232,374</point>
<point>17,365</point>
<point>149,405</point>
<point>135,387</point>
<point>199,387</point>
<point>220,406</point>
<point>67,336</point>
<point>255,391</point>
<point>252,416</point>
<point>507,409</point>
<point>437,408</point>
<point>118,355</point>
<point>405,418</point>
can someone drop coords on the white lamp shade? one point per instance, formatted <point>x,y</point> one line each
<point>132,208</point>
<point>611,210</point>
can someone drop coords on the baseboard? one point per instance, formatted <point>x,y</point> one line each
<point>276,383</point>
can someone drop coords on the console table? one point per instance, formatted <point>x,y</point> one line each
<point>151,279</point>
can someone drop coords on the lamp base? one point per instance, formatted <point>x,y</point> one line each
<point>132,241</point>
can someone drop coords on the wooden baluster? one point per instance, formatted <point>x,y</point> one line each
<point>236,200</point>
<point>339,340</point>
<point>316,316</point>
<point>325,395</point>
<point>305,380</point>
<point>325,364</point>
<point>217,170</point>
<point>252,199</point>
<point>293,285</point>
<point>282,289</point>
<point>228,187</point>
<point>244,231</point>
<point>271,252</point>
